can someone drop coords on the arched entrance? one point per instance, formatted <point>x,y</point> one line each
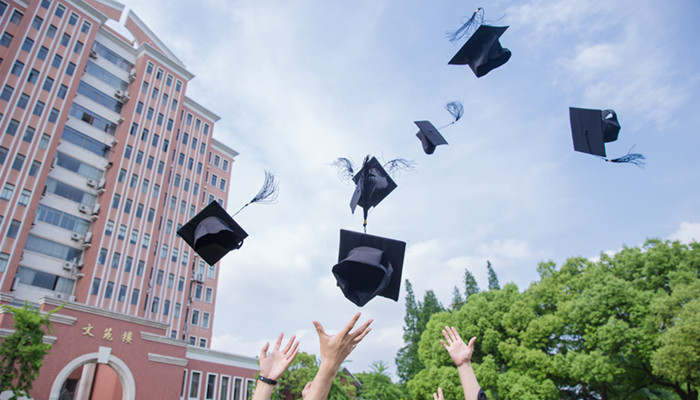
<point>102,357</point>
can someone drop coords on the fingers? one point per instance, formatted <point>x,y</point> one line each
<point>471,342</point>
<point>263,352</point>
<point>362,331</point>
<point>350,324</point>
<point>289,344</point>
<point>319,329</point>
<point>439,395</point>
<point>444,345</point>
<point>445,334</point>
<point>278,342</point>
<point>456,334</point>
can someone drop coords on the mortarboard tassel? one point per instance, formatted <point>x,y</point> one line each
<point>267,193</point>
<point>630,158</point>
<point>398,164</point>
<point>456,109</point>
<point>346,168</point>
<point>475,20</point>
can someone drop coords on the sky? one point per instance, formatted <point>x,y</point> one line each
<point>299,83</point>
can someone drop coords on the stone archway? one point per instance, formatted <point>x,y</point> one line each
<point>103,356</point>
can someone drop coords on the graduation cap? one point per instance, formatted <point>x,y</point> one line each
<point>482,51</point>
<point>372,182</point>
<point>430,136</point>
<point>212,233</point>
<point>369,266</point>
<point>591,129</point>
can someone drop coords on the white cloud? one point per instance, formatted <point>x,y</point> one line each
<point>687,232</point>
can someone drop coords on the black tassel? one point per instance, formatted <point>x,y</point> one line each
<point>346,168</point>
<point>456,109</point>
<point>474,21</point>
<point>630,158</point>
<point>398,164</point>
<point>267,193</point>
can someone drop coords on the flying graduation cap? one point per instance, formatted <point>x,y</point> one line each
<point>482,51</point>
<point>372,182</point>
<point>591,129</point>
<point>430,136</point>
<point>369,266</point>
<point>213,233</point>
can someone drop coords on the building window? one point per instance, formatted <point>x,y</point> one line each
<point>122,294</point>
<point>3,155</point>
<point>109,227</point>
<point>108,290</point>
<point>57,60</point>
<point>48,84</point>
<point>180,284</point>
<point>36,23</point>
<point>155,305</point>
<point>73,19</point>
<point>16,17</point>
<point>62,90</point>
<point>128,263</point>
<point>19,162</point>
<point>116,258</point>
<point>70,69</point>
<point>43,52</point>
<point>24,197</point>
<point>166,307</point>
<point>159,277</point>
<point>53,116</point>
<point>7,93</point>
<point>102,257</point>
<point>121,234</point>
<point>134,297</point>
<point>176,310</point>
<point>28,134</point>
<point>209,295</point>
<point>139,210</point>
<point>78,47</point>
<point>171,280</point>
<point>60,10</point>
<point>17,68</point>
<point>134,238</point>
<point>85,28</point>
<point>146,240</point>
<point>51,32</point>
<point>13,228</point>
<point>115,200</point>
<point>211,273</point>
<point>38,108</point>
<point>27,45</point>
<point>211,379</point>
<point>140,267</point>
<point>4,259</point>
<point>65,39</point>
<point>95,286</point>
<point>6,39</point>
<point>195,317</point>
<point>198,292</point>
<point>194,380</point>
<point>205,320</point>
<point>23,101</point>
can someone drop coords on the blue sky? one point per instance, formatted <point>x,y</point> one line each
<point>300,83</point>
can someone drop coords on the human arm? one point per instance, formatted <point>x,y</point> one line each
<point>334,350</point>
<point>461,354</point>
<point>273,364</point>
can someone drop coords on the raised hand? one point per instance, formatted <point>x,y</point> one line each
<point>336,348</point>
<point>460,352</point>
<point>274,363</point>
<point>438,395</point>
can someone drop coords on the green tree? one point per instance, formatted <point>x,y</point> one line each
<point>301,371</point>
<point>22,352</point>
<point>417,316</point>
<point>470,286</point>
<point>377,384</point>
<point>457,299</point>
<point>625,326</point>
<point>493,278</point>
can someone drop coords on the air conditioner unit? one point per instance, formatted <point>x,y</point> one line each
<point>101,184</point>
<point>132,75</point>
<point>118,93</point>
<point>76,236</point>
<point>88,237</point>
<point>125,98</point>
<point>78,275</point>
<point>198,277</point>
<point>114,142</point>
<point>68,266</point>
<point>71,298</point>
<point>93,54</point>
<point>79,265</point>
<point>109,165</point>
<point>96,209</point>
<point>92,183</point>
<point>120,120</point>
<point>84,209</point>
<point>60,296</point>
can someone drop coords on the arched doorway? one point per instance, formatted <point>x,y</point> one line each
<point>102,366</point>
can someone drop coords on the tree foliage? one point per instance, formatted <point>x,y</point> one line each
<point>301,371</point>
<point>493,278</point>
<point>22,352</point>
<point>377,384</point>
<point>626,326</point>
<point>417,316</point>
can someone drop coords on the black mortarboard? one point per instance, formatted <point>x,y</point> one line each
<point>212,233</point>
<point>483,51</point>
<point>369,266</point>
<point>429,136</point>
<point>591,129</point>
<point>373,184</point>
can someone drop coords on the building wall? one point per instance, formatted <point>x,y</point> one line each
<point>103,156</point>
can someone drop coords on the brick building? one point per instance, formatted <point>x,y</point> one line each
<point>102,158</point>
